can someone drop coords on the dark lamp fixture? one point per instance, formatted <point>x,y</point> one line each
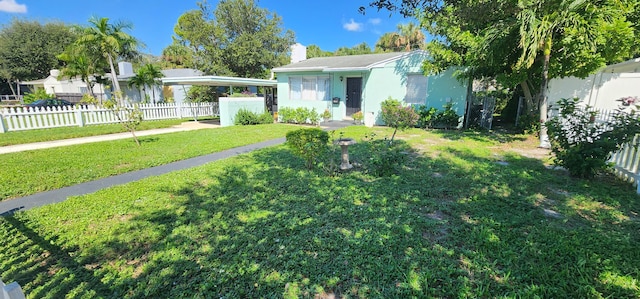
<point>341,78</point>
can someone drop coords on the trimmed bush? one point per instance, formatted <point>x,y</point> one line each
<point>398,117</point>
<point>299,115</point>
<point>245,117</point>
<point>309,144</point>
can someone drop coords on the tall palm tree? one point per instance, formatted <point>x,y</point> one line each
<point>538,24</point>
<point>111,39</point>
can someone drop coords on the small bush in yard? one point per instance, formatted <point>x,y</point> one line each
<point>298,115</point>
<point>309,144</point>
<point>245,117</point>
<point>382,159</point>
<point>398,117</point>
<point>584,146</point>
<point>448,118</point>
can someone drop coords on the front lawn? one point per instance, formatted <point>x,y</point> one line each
<point>470,216</point>
<point>30,172</point>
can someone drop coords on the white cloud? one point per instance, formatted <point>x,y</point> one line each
<point>12,7</point>
<point>352,26</point>
<point>375,21</point>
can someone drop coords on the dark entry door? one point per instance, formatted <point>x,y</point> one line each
<point>354,95</point>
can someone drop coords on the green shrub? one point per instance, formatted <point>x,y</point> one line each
<point>245,117</point>
<point>298,115</point>
<point>584,146</point>
<point>309,144</point>
<point>398,117</point>
<point>38,94</point>
<point>384,159</point>
<point>448,118</point>
<point>426,116</point>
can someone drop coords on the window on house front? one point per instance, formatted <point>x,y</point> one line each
<point>416,89</point>
<point>309,88</point>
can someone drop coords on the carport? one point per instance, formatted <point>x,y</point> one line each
<point>230,105</point>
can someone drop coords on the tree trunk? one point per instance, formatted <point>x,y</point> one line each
<point>544,137</point>
<point>528,97</point>
<point>89,87</point>
<point>153,92</point>
<point>13,91</point>
<point>114,76</point>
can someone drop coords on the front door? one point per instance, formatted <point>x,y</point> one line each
<point>354,95</point>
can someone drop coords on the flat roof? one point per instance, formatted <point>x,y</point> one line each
<point>218,81</point>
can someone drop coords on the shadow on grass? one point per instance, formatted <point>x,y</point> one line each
<point>458,225</point>
<point>480,135</point>
<point>54,272</point>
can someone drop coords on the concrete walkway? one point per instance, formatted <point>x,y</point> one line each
<point>187,126</point>
<point>8,207</point>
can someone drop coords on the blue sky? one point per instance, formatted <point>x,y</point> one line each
<point>329,24</point>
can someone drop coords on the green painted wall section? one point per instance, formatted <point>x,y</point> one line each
<point>380,83</point>
<point>229,107</point>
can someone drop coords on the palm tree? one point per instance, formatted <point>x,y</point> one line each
<point>112,41</point>
<point>410,36</point>
<point>153,74</point>
<point>79,63</point>
<point>146,76</point>
<point>140,81</point>
<point>537,29</point>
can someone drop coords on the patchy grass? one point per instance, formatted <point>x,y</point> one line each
<point>31,172</point>
<point>454,224</point>
<point>29,136</point>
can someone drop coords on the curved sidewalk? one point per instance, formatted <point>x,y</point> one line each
<point>10,206</point>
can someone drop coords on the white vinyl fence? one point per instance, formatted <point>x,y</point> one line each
<point>21,118</point>
<point>627,160</point>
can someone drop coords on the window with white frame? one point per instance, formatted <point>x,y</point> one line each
<point>309,88</point>
<point>416,89</point>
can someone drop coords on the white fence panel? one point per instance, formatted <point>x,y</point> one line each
<point>21,118</point>
<point>626,160</point>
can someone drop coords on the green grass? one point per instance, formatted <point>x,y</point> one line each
<point>453,224</point>
<point>30,172</point>
<point>21,137</point>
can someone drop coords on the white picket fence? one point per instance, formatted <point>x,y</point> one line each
<point>22,118</point>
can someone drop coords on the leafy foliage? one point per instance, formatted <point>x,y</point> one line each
<point>238,38</point>
<point>246,117</point>
<point>147,76</point>
<point>308,144</point>
<point>110,41</point>
<point>358,116</point>
<point>447,118</point>
<point>300,115</point>
<point>409,37</point>
<point>583,145</point>
<point>38,94</point>
<point>426,116</point>
<point>29,49</point>
<point>398,117</point>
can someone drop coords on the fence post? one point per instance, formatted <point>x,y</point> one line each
<point>79,119</point>
<point>3,128</point>
<point>179,110</point>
